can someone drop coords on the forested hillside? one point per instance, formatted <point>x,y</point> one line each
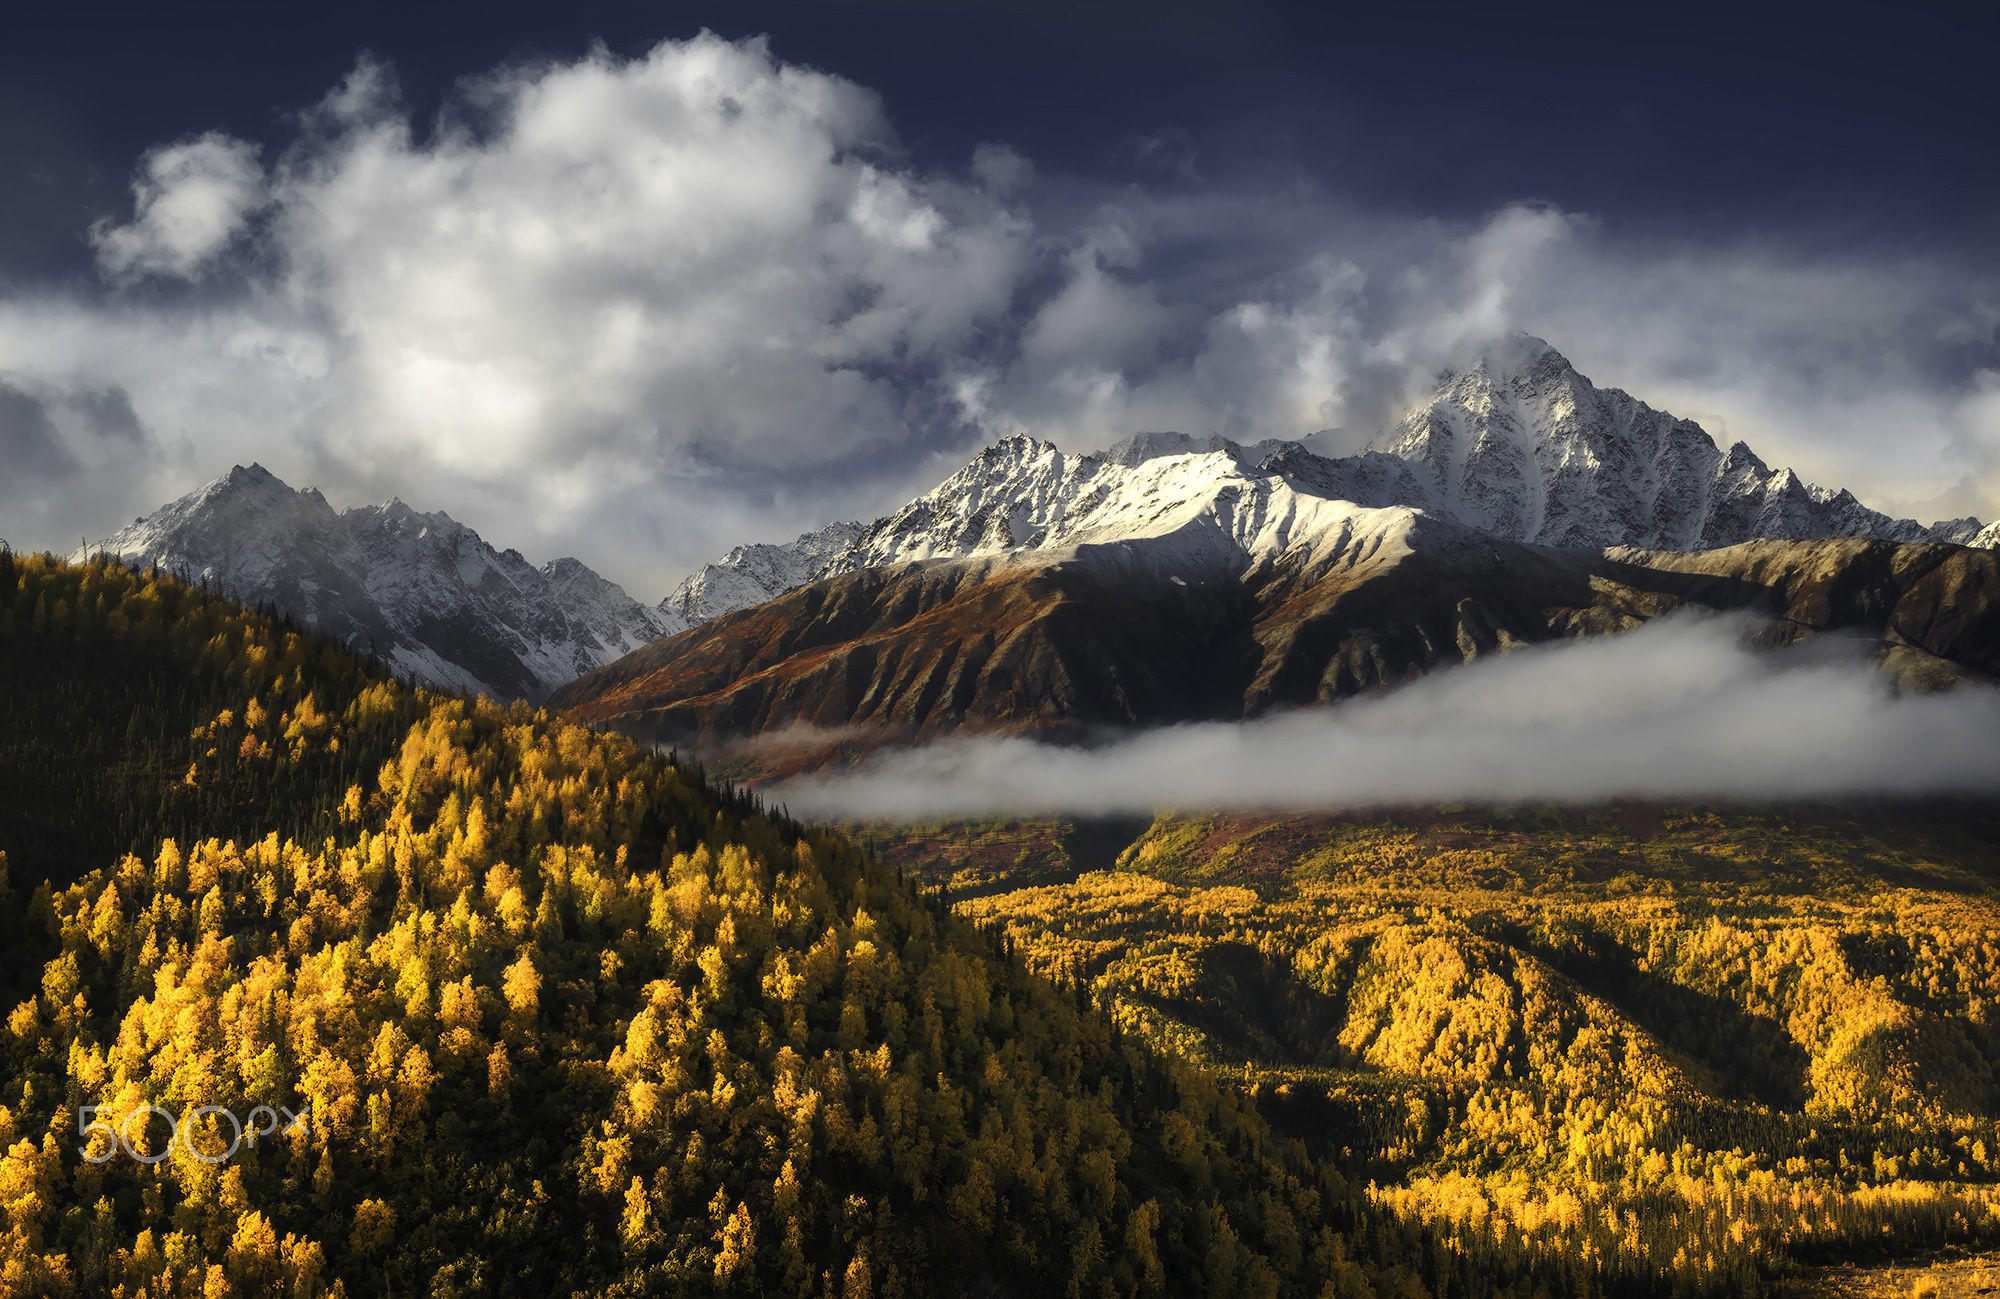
<point>562,1019</point>
<point>1706,1045</point>
<point>118,693</point>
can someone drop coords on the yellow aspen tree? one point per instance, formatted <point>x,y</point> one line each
<point>548,920</point>
<point>522,986</point>
<point>737,1245</point>
<point>499,1072</point>
<point>859,1280</point>
<point>374,1225</point>
<point>636,1224</point>
<point>513,912</point>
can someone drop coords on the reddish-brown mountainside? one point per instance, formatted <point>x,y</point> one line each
<point>1078,641</point>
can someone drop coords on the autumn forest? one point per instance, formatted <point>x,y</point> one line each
<point>566,1015</point>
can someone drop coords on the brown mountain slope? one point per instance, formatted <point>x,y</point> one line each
<point>1089,637</point>
<point>1934,609</point>
<point>916,649</point>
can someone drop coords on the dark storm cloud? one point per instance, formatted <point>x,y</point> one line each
<point>63,451</point>
<point>29,445</point>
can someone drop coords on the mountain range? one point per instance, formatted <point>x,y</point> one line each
<point>1518,445</point>
<point>1516,464</point>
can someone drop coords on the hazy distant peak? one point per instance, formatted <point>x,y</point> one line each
<point>1141,447</point>
<point>422,590</point>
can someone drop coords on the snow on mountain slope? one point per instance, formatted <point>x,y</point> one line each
<point>620,623</point>
<point>1519,446</point>
<point>1209,510</point>
<point>1968,532</point>
<point>1523,446</point>
<point>422,591</point>
<point>753,574</point>
<point>1161,502</point>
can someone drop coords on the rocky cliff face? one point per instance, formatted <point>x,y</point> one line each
<point>422,591</point>
<point>1968,532</point>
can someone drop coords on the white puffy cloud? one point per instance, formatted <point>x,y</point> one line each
<point>61,451</point>
<point>590,287</point>
<point>1468,295</point>
<point>1095,322</point>
<point>190,201</point>
<point>699,250</point>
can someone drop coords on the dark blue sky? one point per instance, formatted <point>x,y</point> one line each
<point>1867,125</point>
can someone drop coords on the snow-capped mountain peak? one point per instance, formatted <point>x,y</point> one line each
<point>752,574</point>
<point>1525,447</point>
<point>419,589</point>
<point>1195,507</point>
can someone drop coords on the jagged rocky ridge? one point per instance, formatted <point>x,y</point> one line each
<point>751,574</point>
<point>1520,446</point>
<point>422,591</point>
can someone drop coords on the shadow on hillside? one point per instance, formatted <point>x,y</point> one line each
<point>1094,843</point>
<point>1750,1054</point>
<point>1253,1006</point>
